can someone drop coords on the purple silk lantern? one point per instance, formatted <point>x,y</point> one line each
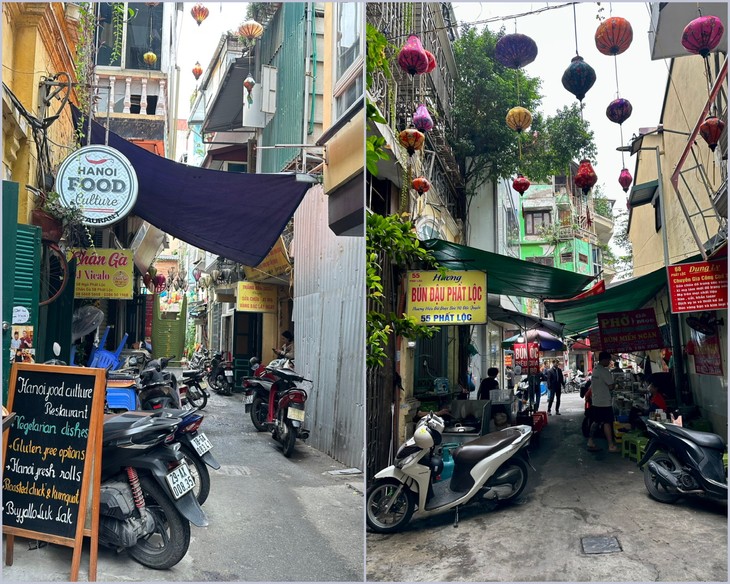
<point>624,179</point>
<point>619,110</point>
<point>515,50</point>
<point>702,35</point>
<point>412,57</point>
<point>579,77</point>
<point>422,120</point>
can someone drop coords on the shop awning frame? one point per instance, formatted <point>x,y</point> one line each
<point>523,321</point>
<point>507,275</point>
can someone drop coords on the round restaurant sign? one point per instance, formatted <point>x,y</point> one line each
<point>101,181</point>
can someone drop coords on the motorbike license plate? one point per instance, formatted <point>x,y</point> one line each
<point>180,480</point>
<point>248,399</point>
<point>229,373</point>
<point>201,444</point>
<point>295,414</point>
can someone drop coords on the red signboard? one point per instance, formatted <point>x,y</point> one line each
<point>706,353</point>
<point>698,286</point>
<point>631,330</point>
<point>527,356</point>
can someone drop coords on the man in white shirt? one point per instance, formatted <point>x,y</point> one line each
<point>601,411</point>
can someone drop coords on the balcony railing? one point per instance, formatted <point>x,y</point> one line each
<point>132,93</point>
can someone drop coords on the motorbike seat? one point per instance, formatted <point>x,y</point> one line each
<point>704,439</point>
<point>467,455</point>
<point>192,373</point>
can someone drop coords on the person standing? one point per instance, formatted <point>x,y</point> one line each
<point>488,384</point>
<point>555,383</point>
<point>601,411</point>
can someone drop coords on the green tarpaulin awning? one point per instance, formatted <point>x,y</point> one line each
<point>507,275</point>
<point>581,315</point>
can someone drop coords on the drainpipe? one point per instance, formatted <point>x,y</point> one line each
<point>307,81</point>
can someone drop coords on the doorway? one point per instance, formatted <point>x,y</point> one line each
<point>247,343</point>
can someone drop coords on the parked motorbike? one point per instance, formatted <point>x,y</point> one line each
<point>146,497</point>
<point>157,388</point>
<point>257,389</point>
<point>199,359</point>
<point>679,461</point>
<point>220,377</point>
<point>195,393</point>
<point>492,467</point>
<point>277,404</point>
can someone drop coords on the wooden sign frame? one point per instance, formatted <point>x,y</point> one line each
<point>91,478</point>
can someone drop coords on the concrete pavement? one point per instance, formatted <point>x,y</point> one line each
<point>573,495</point>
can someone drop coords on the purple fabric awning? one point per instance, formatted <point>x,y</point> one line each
<point>238,216</point>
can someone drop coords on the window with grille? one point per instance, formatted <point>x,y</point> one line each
<point>535,220</point>
<point>582,258</point>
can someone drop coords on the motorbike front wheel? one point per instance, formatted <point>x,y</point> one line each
<point>168,544</point>
<point>259,413</point>
<point>383,514</point>
<point>197,397</point>
<point>656,489</point>
<point>289,439</point>
<point>200,473</point>
<point>213,379</point>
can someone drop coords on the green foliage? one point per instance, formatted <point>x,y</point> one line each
<point>375,146</point>
<point>601,205</point>
<point>624,264</point>
<point>84,62</point>
<point>390,237</point>
<point>377,58</point>
<point>119,15</point>
<point>484,93</point>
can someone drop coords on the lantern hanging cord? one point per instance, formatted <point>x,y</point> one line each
<point>575,29</point>
<point>615,68</point>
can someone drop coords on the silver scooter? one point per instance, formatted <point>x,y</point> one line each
<point>492,467</point>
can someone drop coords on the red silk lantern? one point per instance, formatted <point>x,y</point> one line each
<point>197,70</point>
<point>147,279</point>
<point>624,179</point>
<point>412,57</point>
<point>702,35</point>
<point>613,36</point>
<point>199,13</point>
<point>159,281</point>
<point>422,119</point>
<point>619,110</point>
<point>711,130</point>
<point>520,184</point>
<point>412,140</point>
<point>586,177</point>
<point>421,184</point>
<point>431,62</point>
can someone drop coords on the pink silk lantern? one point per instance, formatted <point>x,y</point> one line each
<point>422,120</point>
<point>412,57</point>
<point>624,179</point>
<point>702,35</point>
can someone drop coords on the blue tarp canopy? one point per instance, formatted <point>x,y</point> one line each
<point>237,216</point>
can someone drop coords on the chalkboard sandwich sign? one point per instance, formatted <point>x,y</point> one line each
<point>52,457</point>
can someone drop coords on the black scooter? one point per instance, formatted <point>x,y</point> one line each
<point>683,462</point>
<point>157,388</point>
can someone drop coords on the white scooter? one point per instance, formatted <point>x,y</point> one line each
<point>489,468</point>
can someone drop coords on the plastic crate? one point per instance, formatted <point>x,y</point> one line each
<point>619,429</point>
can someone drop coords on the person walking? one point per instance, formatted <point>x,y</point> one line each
<point>555,383</point>
<point>601,411</point>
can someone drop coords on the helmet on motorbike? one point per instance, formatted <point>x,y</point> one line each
<point>254,362</point>
<point>426,438</point>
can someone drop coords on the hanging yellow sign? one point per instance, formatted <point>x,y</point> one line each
<point>103,273</point>
<point>253,297</point>
<point>452,297</point>
<point>276,263</point>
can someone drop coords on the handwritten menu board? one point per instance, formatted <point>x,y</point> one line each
<point>49,452</point>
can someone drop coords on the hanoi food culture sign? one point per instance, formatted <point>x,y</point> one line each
<point>451,297</point>
<point>630,330</point>
<point>103,273</point>
<point>698,286</point>
<point>253,297</point>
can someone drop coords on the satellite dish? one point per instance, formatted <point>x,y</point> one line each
<point>85,320</point>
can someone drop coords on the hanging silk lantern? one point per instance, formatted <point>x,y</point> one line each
<point>619,110</point>
<point>515,50</point>
<point>702,35</point>
<point>431,61</point>
<point>586,177</point>
<point>421,184</point>
<point>624,179</point>
<point>197,272</point>
<point>411,139</point>
<point>614,35</point>
<point>150,58</point>
<point>579,77</point>
<point>250,30</point>
<point>159,281</point>
<point>518,119</point>
<point>147,279</point>
<point>249,84</point>
<point>520,184</point>
<point>199,12</point>
<point>711,130</point>
<point>422,119</point>
<point>412,58</point>
<point>197,70</point>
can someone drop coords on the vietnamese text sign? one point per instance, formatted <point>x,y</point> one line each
<point>631,330</point>
<point>707,356</point>
<point>527,357</point>
<point>698,286</point>
<point>254,297</point>
<point>103,273</point>
<point>450,298</point>
<point>48,452</point>
<point>276,263</point>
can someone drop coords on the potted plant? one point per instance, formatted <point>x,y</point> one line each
<point>58,221</point>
